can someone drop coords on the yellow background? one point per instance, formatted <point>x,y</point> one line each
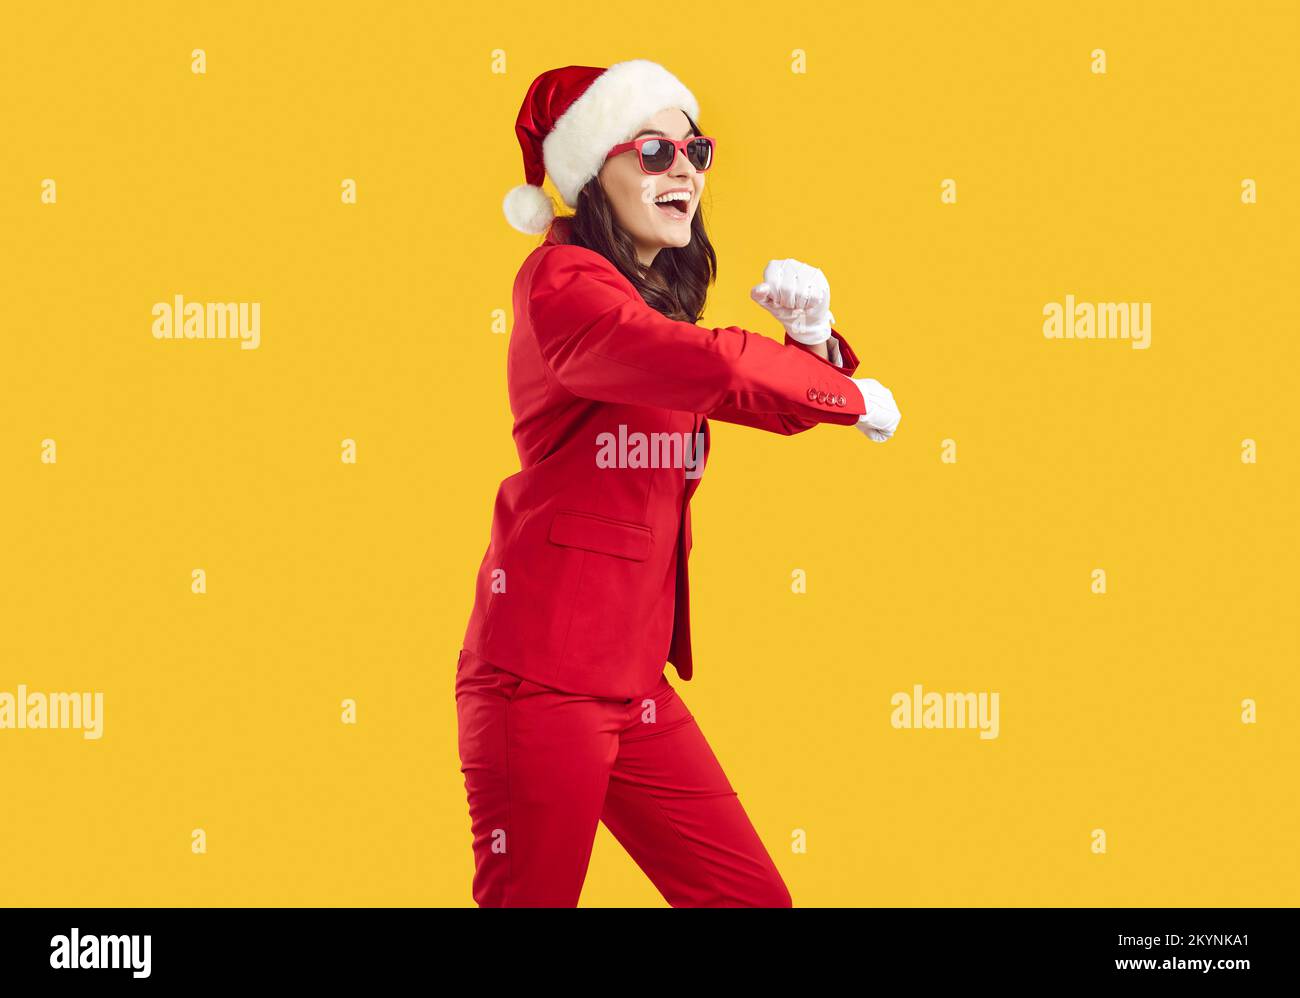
<point>326,581</point>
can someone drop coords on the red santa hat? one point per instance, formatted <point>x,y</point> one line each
<point>572,117</point>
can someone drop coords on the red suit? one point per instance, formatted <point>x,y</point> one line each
<point>582,594</point>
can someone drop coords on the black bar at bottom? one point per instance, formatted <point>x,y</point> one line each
<point>141,947</point>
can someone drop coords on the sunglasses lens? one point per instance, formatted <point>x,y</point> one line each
<point>700,153</point>
<point>657,155</point>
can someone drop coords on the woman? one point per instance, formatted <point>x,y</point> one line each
<point>566,717</point>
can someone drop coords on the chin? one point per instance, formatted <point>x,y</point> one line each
<point>679,239</point>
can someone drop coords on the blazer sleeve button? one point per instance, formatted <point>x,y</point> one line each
<point>812,394</point>
<point>841,401</point>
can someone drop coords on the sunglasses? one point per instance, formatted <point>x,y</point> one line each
<point>657,154</point>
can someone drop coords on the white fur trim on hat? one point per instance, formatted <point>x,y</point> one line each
<point>529,209</point>
<point>607,113</point>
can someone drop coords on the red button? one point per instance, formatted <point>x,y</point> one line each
<point>812,394</point>
<point>821,396</point>
<point>841,401</point>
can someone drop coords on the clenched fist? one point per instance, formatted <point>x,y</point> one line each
<point>800,297</point>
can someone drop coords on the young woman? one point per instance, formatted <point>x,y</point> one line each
<point>566,717</point>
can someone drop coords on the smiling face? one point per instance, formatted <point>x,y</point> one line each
<point>653,224</point>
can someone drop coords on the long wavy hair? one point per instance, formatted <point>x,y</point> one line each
<point>677,283</point>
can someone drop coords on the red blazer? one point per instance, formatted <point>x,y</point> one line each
<point>584,586</point>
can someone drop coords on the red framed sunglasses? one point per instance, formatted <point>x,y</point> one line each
<point>657,154</point>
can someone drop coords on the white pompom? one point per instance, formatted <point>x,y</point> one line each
<point>529,209</point>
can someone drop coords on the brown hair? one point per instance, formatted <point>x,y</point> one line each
<point>677,283</point>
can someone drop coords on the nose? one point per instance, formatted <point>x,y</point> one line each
<point>682,166</point>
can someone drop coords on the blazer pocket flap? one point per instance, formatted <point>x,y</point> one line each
<point>601,534</point>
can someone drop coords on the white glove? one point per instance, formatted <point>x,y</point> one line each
<point>800,297</point>
<point>882,416</point>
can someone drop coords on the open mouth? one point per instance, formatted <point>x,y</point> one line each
<point>675,209</point>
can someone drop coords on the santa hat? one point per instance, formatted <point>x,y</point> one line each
<point>572,117</point>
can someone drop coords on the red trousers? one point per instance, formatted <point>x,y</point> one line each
<point>542,767</point>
